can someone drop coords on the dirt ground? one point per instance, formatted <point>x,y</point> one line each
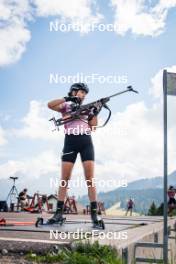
<point>14,259</point>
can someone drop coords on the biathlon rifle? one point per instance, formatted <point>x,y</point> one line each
<point>79,111</point>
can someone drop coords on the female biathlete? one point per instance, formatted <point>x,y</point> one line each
<point>74,144</point>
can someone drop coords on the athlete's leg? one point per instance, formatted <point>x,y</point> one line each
<point>69,155</point>
<point>68,160</point>
<point>131,211</point>
<point>89,177</point>
<point>87,157</point>
<point>66,170</point>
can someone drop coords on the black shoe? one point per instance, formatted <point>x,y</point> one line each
<point>94,217</point>
<point>56,218</point>
<point>97,221</point>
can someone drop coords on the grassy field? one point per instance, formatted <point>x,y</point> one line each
<point>81,253</point>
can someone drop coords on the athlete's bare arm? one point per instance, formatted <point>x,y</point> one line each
<point>56,105</point>
<point>93,123</point>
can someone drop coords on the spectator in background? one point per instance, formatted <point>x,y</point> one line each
<point>172,202</point>
<point>23,199</point>
<point>130,205</point>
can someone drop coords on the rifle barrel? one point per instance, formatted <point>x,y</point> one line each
<point>125,91</point>
<point>118,93</point>
<point>130,89</point>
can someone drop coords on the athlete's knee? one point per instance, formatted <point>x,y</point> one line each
<point>90,182</point>
<point>64,182</point>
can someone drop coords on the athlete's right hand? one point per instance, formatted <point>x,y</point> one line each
<point>74,99</point>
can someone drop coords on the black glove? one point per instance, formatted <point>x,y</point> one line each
<point>98,106</point>
<point>74,99</point>
<point>94,112</point>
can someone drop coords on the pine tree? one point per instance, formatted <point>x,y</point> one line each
<point>160,210</point>
<point>153,209</point>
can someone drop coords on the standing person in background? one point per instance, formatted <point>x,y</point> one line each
<point>172,202</point>
<point>130,205</point>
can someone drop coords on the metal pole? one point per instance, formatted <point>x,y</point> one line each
<point>165,231</point>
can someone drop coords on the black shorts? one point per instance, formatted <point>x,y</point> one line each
<point>172,201</point>
<point>74,144</point>
<point>130,207</point>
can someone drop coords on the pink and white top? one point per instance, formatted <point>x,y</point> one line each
<point>77,126</point>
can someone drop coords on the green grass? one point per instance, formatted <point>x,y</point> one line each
<point>82,253</point>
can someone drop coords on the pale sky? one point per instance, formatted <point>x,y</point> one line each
<point>142,45</point>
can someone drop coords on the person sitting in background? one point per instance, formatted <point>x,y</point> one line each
<point>23,198</point>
